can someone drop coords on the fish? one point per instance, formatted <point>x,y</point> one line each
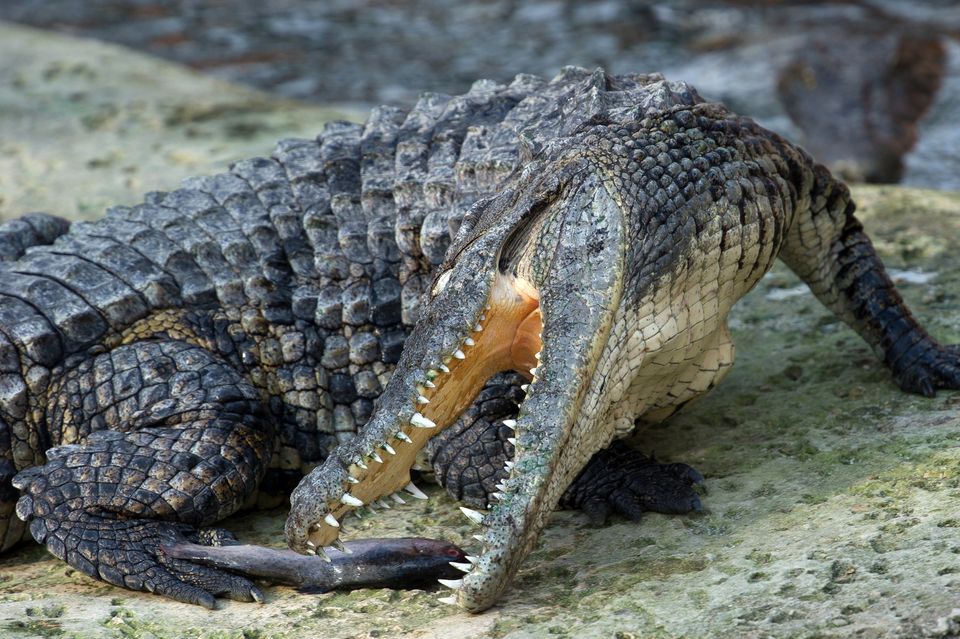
<point>398,563</point>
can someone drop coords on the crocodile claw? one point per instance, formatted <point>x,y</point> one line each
<point>931,366</point>
<point>622,480</point>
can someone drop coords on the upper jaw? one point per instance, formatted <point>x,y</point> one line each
<point>465,336</point>
<point>555,437</point>
<point>424,398</point>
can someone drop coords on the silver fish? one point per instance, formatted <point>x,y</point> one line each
<point>401,563</point>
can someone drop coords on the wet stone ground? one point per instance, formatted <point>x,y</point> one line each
<point>852,80</point>
<point>833,498</point>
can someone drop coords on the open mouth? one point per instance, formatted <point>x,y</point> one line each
<point>486,316</point>
<point>505,336</point>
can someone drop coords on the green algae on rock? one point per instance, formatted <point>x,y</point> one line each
<point>86,125</point>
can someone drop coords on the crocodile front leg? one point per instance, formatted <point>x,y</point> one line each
<point>874,307</point>
<point>622,480</point>
<point>196,444</point>
<point>472,460</point>
<point>472,457</point>
<point>828,249</point>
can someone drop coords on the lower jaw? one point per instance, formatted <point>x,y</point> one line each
<point>508,339</point>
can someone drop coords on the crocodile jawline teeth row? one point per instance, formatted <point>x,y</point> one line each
<point>417,421</point>
<point>434,402</point>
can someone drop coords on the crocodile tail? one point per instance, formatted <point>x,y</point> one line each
<point>32,229</point>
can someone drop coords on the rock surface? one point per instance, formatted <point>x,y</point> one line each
<point>834,498</point>
<point>851,80</point>
<point>84,126</point>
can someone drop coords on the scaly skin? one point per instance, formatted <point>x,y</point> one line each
<point>630,238</point>
<point>178,359</point>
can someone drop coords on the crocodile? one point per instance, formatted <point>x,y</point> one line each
<point>493,287</point>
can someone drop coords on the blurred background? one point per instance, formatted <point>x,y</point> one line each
<point>870,87</point>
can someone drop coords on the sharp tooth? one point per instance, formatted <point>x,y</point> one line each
<point>533,371</point>
<point>448,600</point>
<point>459,354</point>
<point>336,543</point>
<point>444,368</point>
<point>311,545</point>
<point>389,449</point>
<point>451,583</point>
<point>352,479</point>
<point>477,328</point>
<point>420,421</point>
<point>537,354</point>
<point>501,486</point>
<point>397,498</point>
<point>509,465</point>
<point>331,520</point>
<point>524,387</point>
<point>479,538</point>
<point>497,496</point>
<point>402,436</point>
<point>360,464</point>
<point>376,458</point>
<point>487,307</point>
<point>462,567</point>
<point>429,384</point>
<point>315,526</point>
<point>472,559</point>
<point>512,440</point>
<point>373,511</point>
<point>350,500</point>
<point>383,504</point>
<point>416,492</point>
<point>422,400</point>
<point>317,551</point>
<point>469,342</point>
<point>472,515</point>
<point>510,423</point>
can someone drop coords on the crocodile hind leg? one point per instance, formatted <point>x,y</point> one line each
<point>169,438</point>
<point>470,459</point>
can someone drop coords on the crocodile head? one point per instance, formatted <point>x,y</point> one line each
<point>533,283</point>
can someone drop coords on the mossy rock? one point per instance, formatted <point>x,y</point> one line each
<point>86,125</point>
<point>834,498</point>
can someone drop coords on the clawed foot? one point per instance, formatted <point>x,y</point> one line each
<point>625,481</point>
<point>931,367</point>
<point>129,552</point>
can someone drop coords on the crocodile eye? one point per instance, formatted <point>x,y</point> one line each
<point>441,283</point>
